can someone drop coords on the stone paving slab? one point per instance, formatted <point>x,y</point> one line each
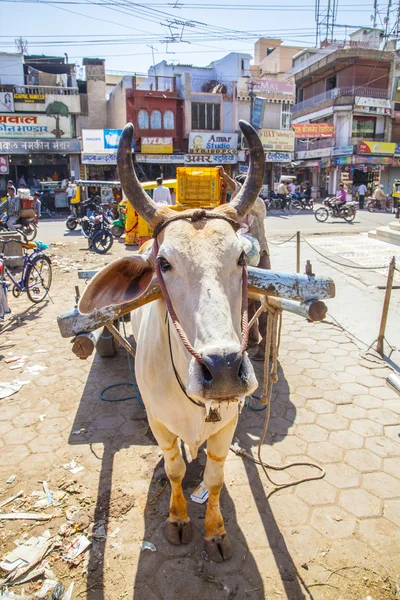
<point>336,538</point>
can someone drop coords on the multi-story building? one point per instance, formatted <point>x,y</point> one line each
<point>343,112</point>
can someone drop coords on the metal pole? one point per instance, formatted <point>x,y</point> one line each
<point>385,310</point>
<point>298,252</point>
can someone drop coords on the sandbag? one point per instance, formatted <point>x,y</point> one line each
<point>27,213</point>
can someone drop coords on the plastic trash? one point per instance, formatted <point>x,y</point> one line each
<point>200,494</point>
<point>73,467</point>
<point>58,592</point>
<point>76,548</point>
<point>47,586</point>
<point>148,546</point>
<point>68,593</point>
<point>8,389</point>
<point>11,479</point>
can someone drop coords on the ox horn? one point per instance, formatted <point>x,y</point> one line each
<point>134,192</point>
<point>246,197</point>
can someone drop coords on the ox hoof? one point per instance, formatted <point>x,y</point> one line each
<point>178,533</point>
<point>219,547</point>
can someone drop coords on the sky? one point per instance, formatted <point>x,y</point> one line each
<point>133,36</point>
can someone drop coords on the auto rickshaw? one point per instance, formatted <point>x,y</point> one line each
<point>396,197</point>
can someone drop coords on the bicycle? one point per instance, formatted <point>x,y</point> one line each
<point>275,205</point>
<point>36,273</point>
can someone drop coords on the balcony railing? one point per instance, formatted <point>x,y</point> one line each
<point>341,92</point>
<point>46,90</point>
<point>356,138</point>
<point>313,144</point>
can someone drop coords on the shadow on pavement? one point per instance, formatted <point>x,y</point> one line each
<point>174,571</point>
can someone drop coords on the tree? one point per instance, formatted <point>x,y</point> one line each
<point>57,110</point>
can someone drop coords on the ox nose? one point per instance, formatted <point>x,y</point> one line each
<point>224,373</point>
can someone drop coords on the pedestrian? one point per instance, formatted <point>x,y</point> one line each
<point>10,184</point>
<point>362,190</point>
<point>292,189</point>
<point>161,194</point>
<point>380,196</point>
<point>35,182</point>
<point>37,205</point>
<point>71,193</point>
<point>22,182</point>
<point>13,208</point>
<point>282,193</point>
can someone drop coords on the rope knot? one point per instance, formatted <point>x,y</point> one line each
<point>198,214</point>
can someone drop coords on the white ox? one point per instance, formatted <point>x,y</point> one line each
<point>200,259</point>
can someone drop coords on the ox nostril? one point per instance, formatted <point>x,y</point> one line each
<point>242,370</point>
<point>206,373</point>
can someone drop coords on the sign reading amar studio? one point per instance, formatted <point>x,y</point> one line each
<point>212,143</point>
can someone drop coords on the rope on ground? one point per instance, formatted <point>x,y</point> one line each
<point>129,352</point>
<point>342,264</point>
<point>284,242</point>
<point>274,327</point>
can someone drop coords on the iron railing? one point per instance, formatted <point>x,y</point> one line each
<point>338,92</point>
<point>46,90</point>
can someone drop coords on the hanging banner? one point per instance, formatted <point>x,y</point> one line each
<point>157,145</point>
<point>37,126</point>
<point>258,112</point>
<point>4,165</point>
<point>314,130</point>
<point>376,148</point>
<point>6,102</point>
<point>212,143</point>
<point>277,139</point>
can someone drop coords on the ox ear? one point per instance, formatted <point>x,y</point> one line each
<point>123,282</point>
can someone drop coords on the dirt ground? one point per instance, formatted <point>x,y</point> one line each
<point>336,538</point>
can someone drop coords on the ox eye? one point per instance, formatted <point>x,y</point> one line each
<point>164,264</point>
<point>242,259</point>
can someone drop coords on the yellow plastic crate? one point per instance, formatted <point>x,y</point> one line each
<point>199,186</point>
<point>144,230</point>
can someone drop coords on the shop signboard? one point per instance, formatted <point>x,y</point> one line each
<point>212,143</point>
<point>278,157</point>
<point>314,130</point>
<point>338,150</point>
<point>341,160</point>
<point>157,145</point>
<point>34,126</point>
<point>397,150</point>
<point>376,106</point>
<point>6,102</point>
<point>173,159</point>
<point>258,112</point>
<point>277,139</point>
<point>316,153</point>
<point>271,86</point>
<point>99,159</point>
<point>4,166</point>
<point>35,146</point>
<point>29,98</point>
<point>376,148</point>
<point>373,160</point>
<point>243,169</point>
<point>101,141</point>
<point>210,159</point>
<point>324,163</point>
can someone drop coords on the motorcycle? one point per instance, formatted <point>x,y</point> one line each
<point>84,209</point>
<point>374,204</point>
<point>25,225</point>
<point>118,225</point>
<point>306,202</point>
<point>96,230</point>
<point>346,211</point>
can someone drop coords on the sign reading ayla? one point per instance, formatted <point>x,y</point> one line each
<point>101,141</point>
<point>212,143</point>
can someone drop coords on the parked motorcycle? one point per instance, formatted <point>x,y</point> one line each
<point>96,230</point>
<point>306,202</point>
<point>83,210</point>
<point>25,225</point>
<point>374,204</point>
<point>346,211</point>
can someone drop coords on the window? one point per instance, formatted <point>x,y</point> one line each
<point>155,119</point>
<point>143,119</point>
<point>363,127</point>
<point>169,119</point>
<point>330,83</point>
<point>206,116</point>
<point>286,115</point>
<point>300,95</point>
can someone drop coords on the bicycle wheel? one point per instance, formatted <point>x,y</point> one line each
<point>295,207</point>
<point>29,231</point>
<point>102,241</point>
<point>274,206</point>
<point>321,214</point>
<point>38,278</point>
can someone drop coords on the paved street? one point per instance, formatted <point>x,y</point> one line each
<point>336,538</point>
<point>281,225</point>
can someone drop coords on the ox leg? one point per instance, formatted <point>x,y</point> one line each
<point>217,542</point>
<point>179,528</point>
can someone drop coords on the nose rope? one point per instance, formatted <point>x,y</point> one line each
<point>178,327</point>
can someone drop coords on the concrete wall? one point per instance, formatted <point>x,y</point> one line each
<point>11,69</point>
<point>272,116</point>
<point>97,99</point>
<point>116,107</point>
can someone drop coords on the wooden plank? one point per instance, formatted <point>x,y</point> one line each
<point>292,286</point>
<point>314,310</point>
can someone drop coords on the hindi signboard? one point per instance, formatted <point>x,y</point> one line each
<point>277,139</point>
<point>314,130</point>
<point>37,126</point>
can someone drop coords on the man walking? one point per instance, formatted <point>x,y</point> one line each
<point>161,194</point>
<point>13,208</point>
<point>362,190</point>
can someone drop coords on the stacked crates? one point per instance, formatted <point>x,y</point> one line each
<point>199,187</point>
<point>144,231</point>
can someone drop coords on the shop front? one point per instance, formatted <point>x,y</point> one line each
<point>39,147</point>
<point>157,158</point>
<point>99,154</point>
<point>314,167</point>
<point>278,146</point>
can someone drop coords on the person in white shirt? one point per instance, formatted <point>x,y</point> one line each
<point>161,194</point>
<point>362,190</point>
<point>292,189</point>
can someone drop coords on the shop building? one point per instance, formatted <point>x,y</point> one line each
<point>346,87</point>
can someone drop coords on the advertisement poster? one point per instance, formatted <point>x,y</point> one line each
<point>6,102</point>
<point>258,112</point>
<point>376,148</point>
<point>277,139</point>
<point>314,130</point>
<point>101,141</point>
<point>37,126</point>
<point>4,166</point>
<point>205,143</point>
<point>157,145</point>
